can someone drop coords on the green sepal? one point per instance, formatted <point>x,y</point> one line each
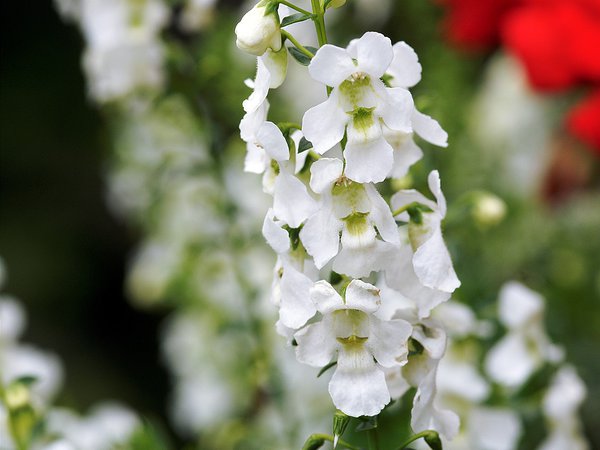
<point>294,18</point>
<point>432,438</point>
<point>340,423</point>
<point>367,423</point>
<point>326,368</point>
<point>304,145</point>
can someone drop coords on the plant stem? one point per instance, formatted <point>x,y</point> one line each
<point>373,439</point>
<point>414,438</point>
<point>319,20</point>
<point>297,44</point>
<point>297,8</point>
<point>329,438</point>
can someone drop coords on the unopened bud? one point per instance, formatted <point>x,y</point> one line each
<point>488,210</point>
<point>259,29</point>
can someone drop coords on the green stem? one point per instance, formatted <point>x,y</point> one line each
<point>327,437</point>
<point>297,8</point>
<point>319,20</point>
<point>413,438</point>
<point>373,439</point>
<point>297,44</point>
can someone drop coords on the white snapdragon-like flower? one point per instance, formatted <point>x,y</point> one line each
<point>271,69</point>
<point>355,211</point>
<point>431,260</point>
<point>259,29</point>
<point>422,372</point>
<point>295,275</point>
<point>561,402</point>
<point>405,72</point>
<point>363,343</point>
<point>359,105</point>
<point>123,51</point>
<point>526,346</point>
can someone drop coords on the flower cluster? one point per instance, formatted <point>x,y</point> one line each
<point>349,260</point>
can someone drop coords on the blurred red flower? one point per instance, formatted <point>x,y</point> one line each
<point>556,41</point>
<point>583,121</point>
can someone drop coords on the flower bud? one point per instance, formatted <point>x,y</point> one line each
<point>488,210</point>
<point>259,29</point>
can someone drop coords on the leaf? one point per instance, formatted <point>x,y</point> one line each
<point>299,56</point>
<point>294,18</point>
<point>304,145</point>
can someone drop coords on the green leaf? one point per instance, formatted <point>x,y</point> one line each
<point>294,18</point>
<point>301,57</point>
<point>26,380</point>
<point>304,145</point>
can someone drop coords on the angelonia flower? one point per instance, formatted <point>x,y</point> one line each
<point>339,240</point>
<point>123,54</point>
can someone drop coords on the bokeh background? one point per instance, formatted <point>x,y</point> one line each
<point>67,253</point>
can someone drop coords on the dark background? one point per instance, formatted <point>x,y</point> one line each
<point>65,253</point>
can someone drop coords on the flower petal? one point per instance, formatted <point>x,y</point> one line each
<point>518,305</point>
<point>405,68</point>
<point>429,129</point>
<point>388,341</point>
<point>321,236</point>
<point>360,262</point>
<point>316,344</point>
<point>276,64</point>
<point>362,296</point>
<point>510,362</point>
<point>433,265</point>
<point>324,172</point>
<point>400,275</point>
<point>425,414</point>
<point>276,237</point>
<point>358,386</point>
<point>396,108</point>
<point>324,125</point>
<point>331,65</point>
<point>271,139</point>
<point>368,162</point>
<point>256,160</point>
<point>374,53</point>
<point>252,121</point>
<point>291,200</point>
<point>325,297</point>
<point>296,305</point>
<point>406,152</point>
<point>261,88</point>
<point>381,216</point>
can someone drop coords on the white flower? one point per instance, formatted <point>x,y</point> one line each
<point>561,402</point>
<point>294,275</point>
<point>108,425</point>
<point>526,346</point>
<point>271,69</point>
<point>12,319</point>
<point>405,72</point>
<point>493,429</point>
<point>426,414</point>
<point>264,140</point>
<point>355,210</point>
<point>259,29</point>
<point>431,260</point>
<point>363,344</point>
<point>360,105</point>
